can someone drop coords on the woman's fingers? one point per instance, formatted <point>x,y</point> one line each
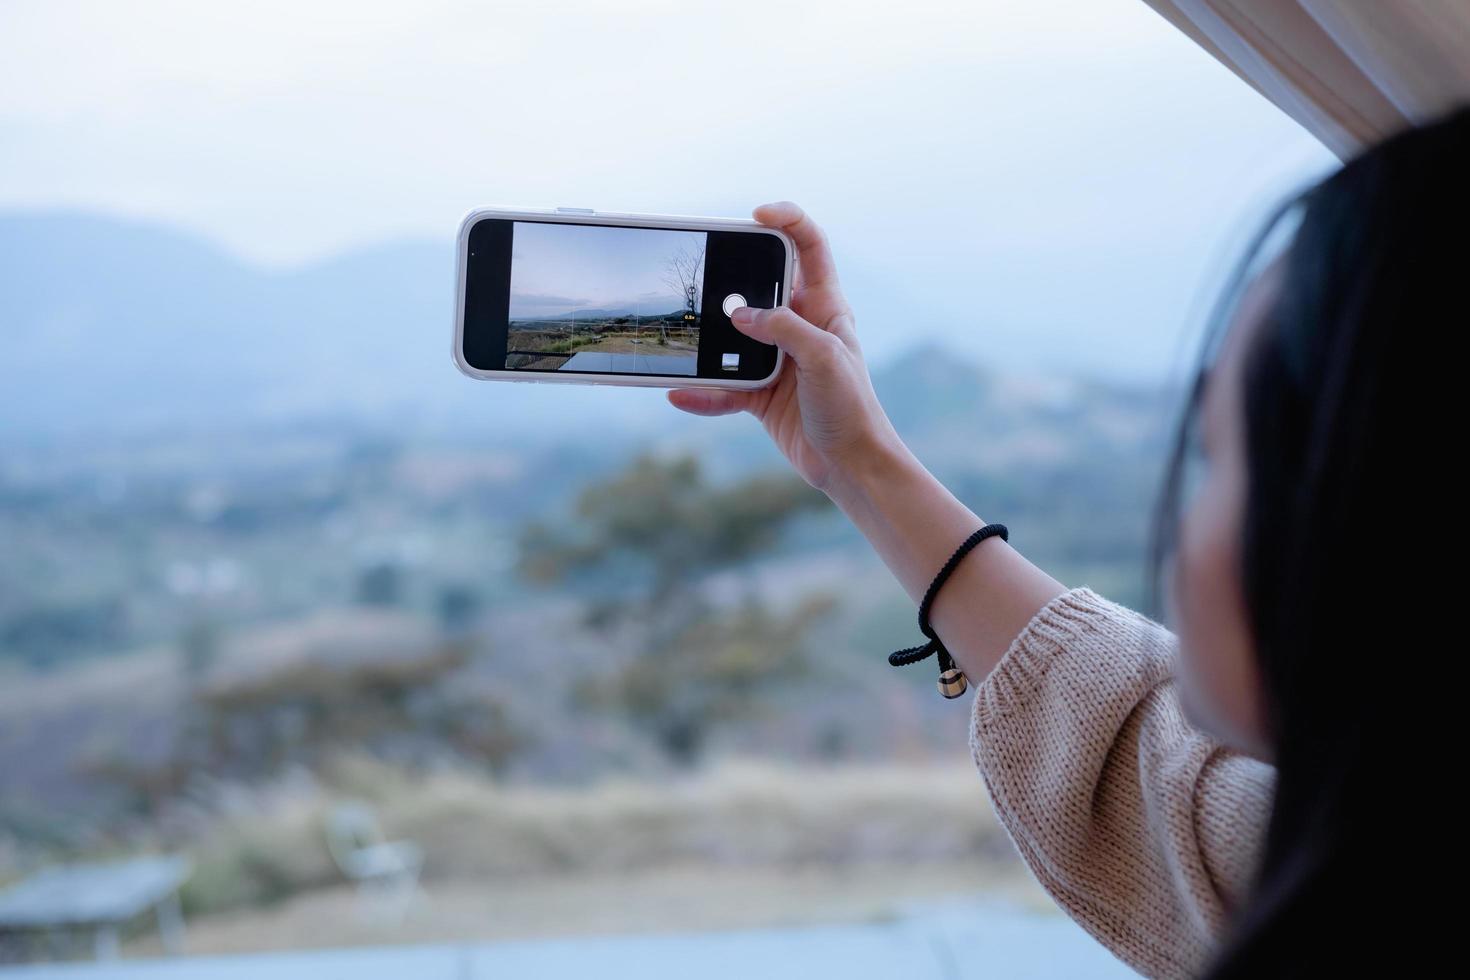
<point>819,295</point>
<point>811,347</point>
<point>818,268</point>
<point>804,342</point>
<point>710,401</point>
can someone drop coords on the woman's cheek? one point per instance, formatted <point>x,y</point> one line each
<point>1219,678</point>
<point>1207,590</point>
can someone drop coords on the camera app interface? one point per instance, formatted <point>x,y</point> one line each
<point>568,297</point>
<point>604,299</point>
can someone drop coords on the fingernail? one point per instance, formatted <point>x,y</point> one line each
<point>744,316</point>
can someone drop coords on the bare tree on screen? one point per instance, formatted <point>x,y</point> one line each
<point>683,272</point>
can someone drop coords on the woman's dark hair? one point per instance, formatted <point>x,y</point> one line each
<point>1352,398</point>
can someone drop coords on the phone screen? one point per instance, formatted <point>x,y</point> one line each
<point>556,297</point>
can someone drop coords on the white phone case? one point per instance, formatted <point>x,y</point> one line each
<point>586,216</point>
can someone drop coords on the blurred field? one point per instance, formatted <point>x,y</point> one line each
<point>739,844</point>
<point>672,899</point>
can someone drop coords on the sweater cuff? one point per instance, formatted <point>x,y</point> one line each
<point>1052,631</point>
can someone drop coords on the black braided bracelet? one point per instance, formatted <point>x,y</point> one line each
<point>952,681</point>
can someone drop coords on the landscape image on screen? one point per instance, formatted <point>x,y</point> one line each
<point>592,298</point>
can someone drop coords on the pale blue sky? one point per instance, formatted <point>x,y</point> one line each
<point>1054,183</point>
<point>558,269</point>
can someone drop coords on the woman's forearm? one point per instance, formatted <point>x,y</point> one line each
<point>915,524</point>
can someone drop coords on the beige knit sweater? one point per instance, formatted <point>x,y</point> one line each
<point>1144,829</point>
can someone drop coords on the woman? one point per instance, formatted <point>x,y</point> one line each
<point>1232,802</point>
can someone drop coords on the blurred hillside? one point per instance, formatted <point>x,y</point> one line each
<point>115,326</point>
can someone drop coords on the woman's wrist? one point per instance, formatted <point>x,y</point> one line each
<point>873,463</point>
<point>909,517</point>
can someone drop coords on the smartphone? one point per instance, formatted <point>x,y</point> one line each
<point>579,296</point>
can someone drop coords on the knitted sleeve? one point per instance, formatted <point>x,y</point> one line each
<point>1144,829</point>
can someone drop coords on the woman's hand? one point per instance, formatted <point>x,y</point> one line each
<point>821,411</point>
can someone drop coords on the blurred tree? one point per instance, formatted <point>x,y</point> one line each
<point>146,785</point>
<point>716,669</point>
<point>665,517</point>
<point>412,706</point>
<point>663,529</point>
<point>44,632</point>
<point>199,647</point>
<point>380,584</point>
<point>456,605</point>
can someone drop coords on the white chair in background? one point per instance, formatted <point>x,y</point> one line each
<point>386,872</point>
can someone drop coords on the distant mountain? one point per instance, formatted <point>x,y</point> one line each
<point>615,311</point>
<point>110,325</point>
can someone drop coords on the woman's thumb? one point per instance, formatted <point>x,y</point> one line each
<point>802,341</point>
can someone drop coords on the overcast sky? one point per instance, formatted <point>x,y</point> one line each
<point>558,269</point>
<point>1048,182</point>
